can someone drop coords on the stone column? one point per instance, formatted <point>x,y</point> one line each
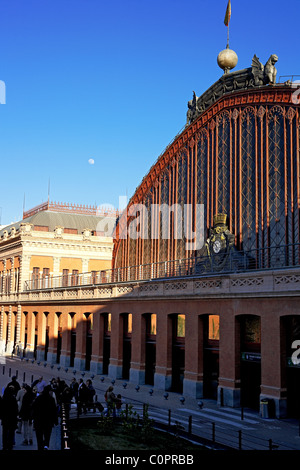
<point>12,274</point>
<point>85,265</point>
<point>10,331</point>
<point>138,349</point>
<point>53,334</point>
<point>273,363</point>
<point>115,368</point>
<point>56,269</point>
<point>96,365</point>
<point>2,330</point>
<point>4,277</point>
<point>80,355</point>
<point>29,350</point>
<point>66,326</point>
<point>41,336</point>
<point>163,369</point>
<point>193,374</point>
<point>21,329</point>
<point>229,389</point>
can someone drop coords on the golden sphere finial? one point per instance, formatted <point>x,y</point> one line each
<point>227,59</point>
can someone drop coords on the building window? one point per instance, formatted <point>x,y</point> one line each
<point>65,278</point>
<point>108,323</point>
<point>180,326</point>
<point>41,228</point>
<point>35,278</point>
<point>213,327</point>
<point>129,323</point>
<point>16,279</point>
<point>46,277</point>
<point>94,277</point>
<point>75,277</point>
<point>8,278</point>
<point>73,231</point>
<point>153,324</point>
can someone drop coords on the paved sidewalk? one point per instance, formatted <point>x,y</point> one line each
<point>283,432</point>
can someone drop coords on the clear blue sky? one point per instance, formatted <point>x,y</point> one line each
<point>109,81</point>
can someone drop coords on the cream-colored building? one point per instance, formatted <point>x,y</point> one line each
<point>52,243</point>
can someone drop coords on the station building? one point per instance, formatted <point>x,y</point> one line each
<point>219,319</point>
<point>53,243</point>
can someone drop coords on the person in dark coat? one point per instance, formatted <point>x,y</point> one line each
<point>45,417</point>
<point>15,384</point>
<point>25,414</point>
<point>74,388</point>
<point>9,417</point>
<point>82,397</point>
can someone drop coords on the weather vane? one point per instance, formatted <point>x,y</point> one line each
<point>227,19</point>
<point>227,59</point>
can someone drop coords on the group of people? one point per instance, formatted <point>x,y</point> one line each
<point>36,407</point>
<point>24,407</point>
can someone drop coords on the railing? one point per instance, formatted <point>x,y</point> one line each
<point>286,78</point>
<point>68,208</point>
<point>278,257</point>
<point>196,428</point>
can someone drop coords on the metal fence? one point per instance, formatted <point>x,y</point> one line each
<point>198,429</point>
<point>276,257</point>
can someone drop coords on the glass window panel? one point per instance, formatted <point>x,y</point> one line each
<point>129,325</point>
<point>213,327</point>
<point>153,324</point>
<point>109,322</point>
<point>181,326</point>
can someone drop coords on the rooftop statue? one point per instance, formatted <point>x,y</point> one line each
<point>264,75</point>
<point>256,75</point>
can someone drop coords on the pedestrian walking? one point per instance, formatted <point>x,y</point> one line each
<point>19,398</point>
<point>74,388</point>
<point>44,417</point>
<point>40,385</point>
<point>110,399</point>
<point>82,397</point>
<point>9,417</point>
<point>26,414</point>
<point>65,399</point>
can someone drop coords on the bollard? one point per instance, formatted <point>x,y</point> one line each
<point>169,417</point>
<point>221,396</point>
<point>190,424</point>
<point>240,440</point>
<point>24,374</point>
<point>213,432</point>
<point>270,444</point>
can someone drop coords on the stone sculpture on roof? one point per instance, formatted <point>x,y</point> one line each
<point>256,75</point>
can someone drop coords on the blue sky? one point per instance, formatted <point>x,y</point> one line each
<point>109,81</point>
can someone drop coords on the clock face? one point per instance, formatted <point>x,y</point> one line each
<point>217,246</point>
